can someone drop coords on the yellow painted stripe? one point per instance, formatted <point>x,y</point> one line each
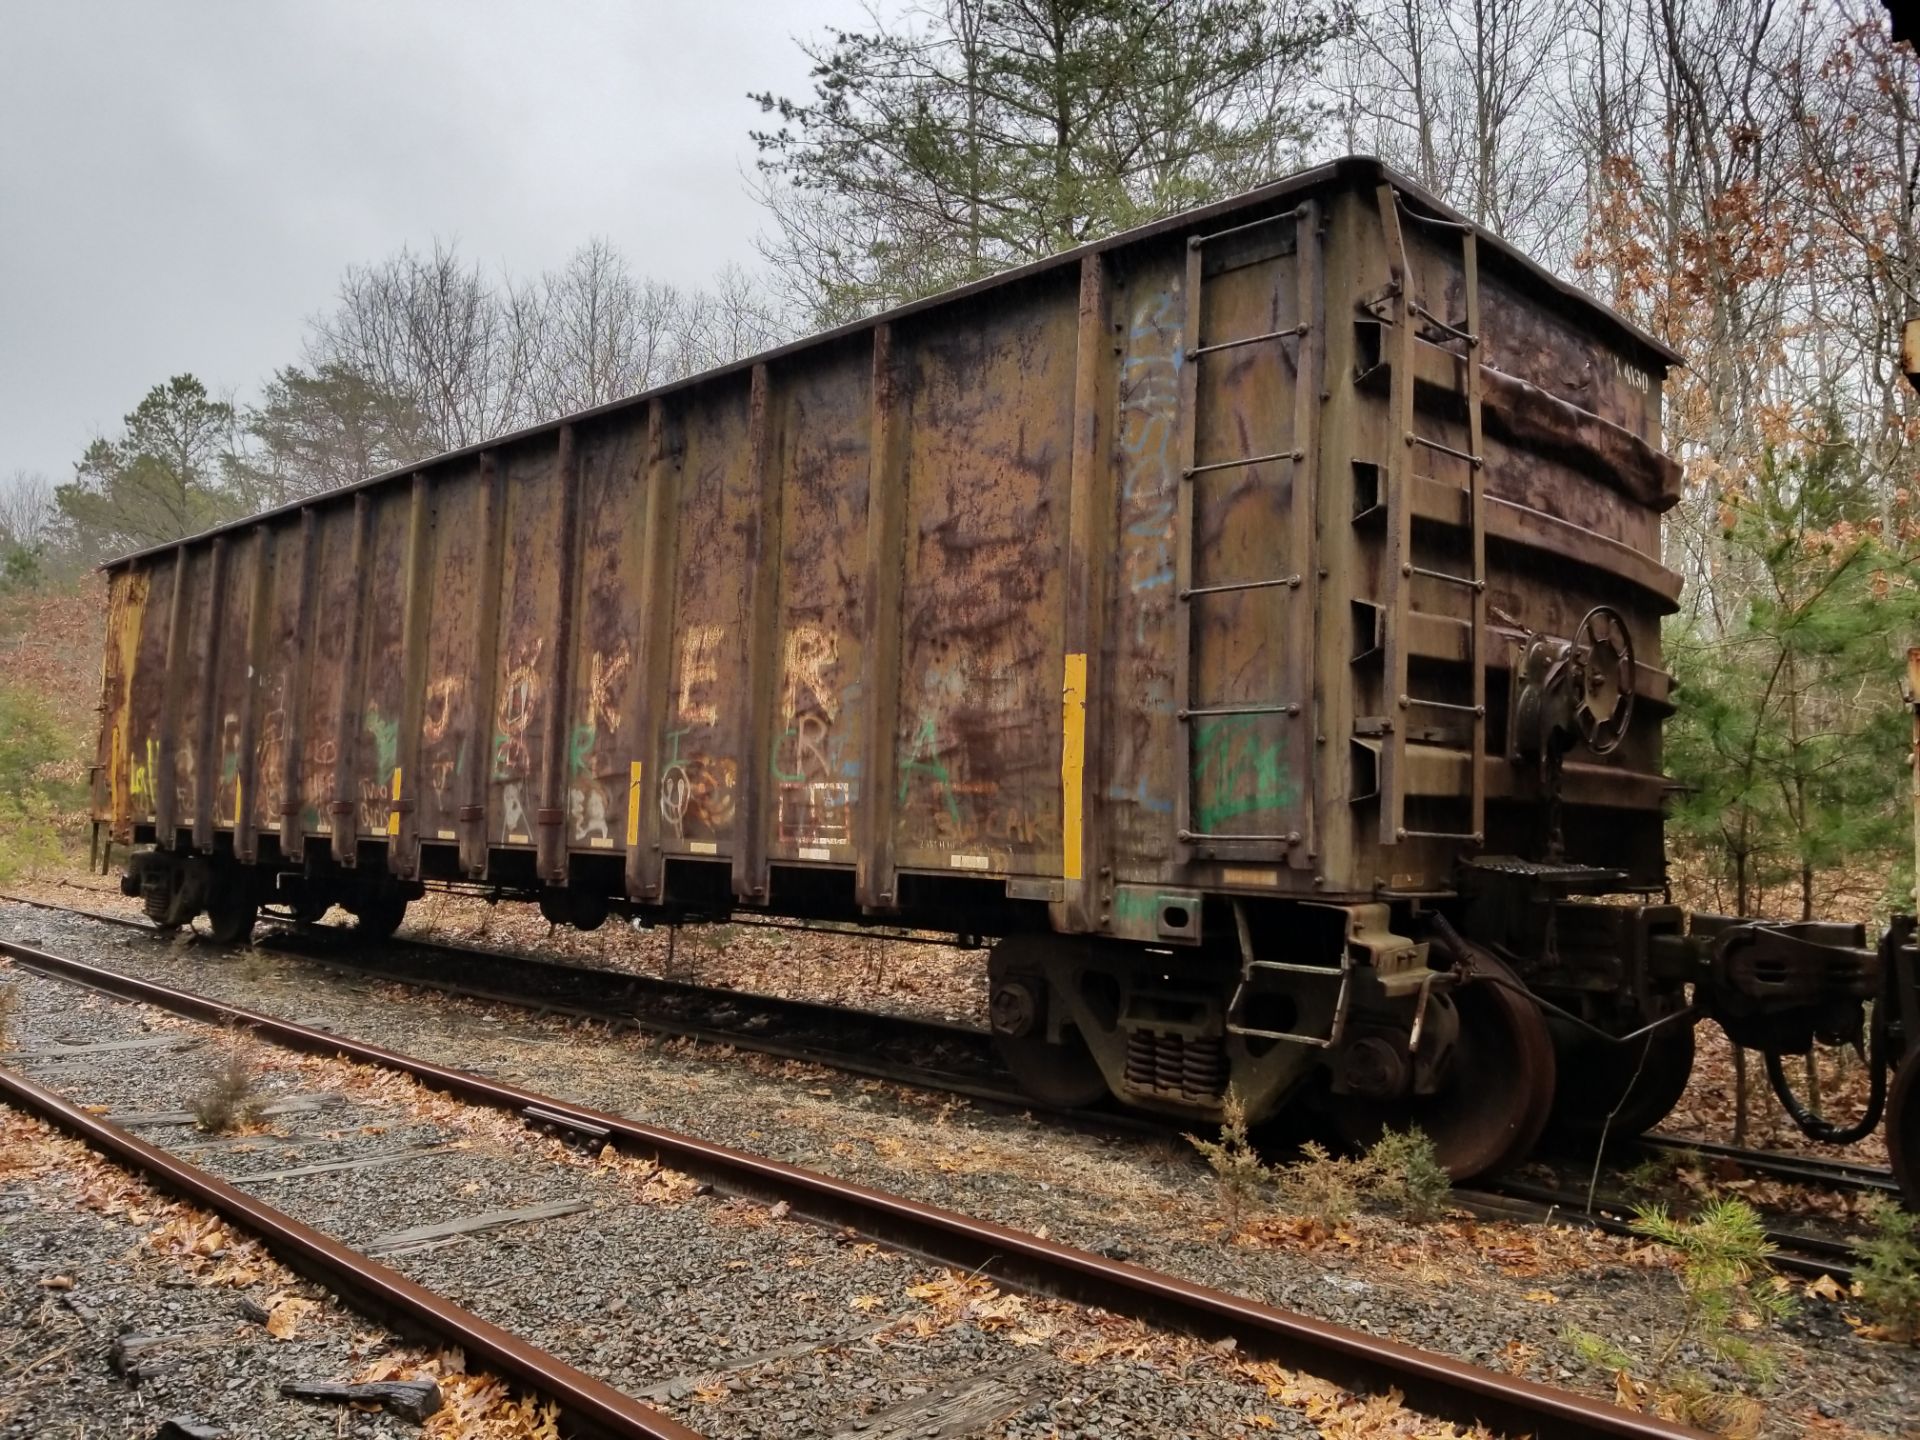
<point>1073,762</point>
<point>633,804</point>
<point>239,788</point>
<point>393,816</point>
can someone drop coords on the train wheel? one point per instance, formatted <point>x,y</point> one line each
<point>1064,1076</point>
<point>231,913</point>
<point>378,917</point>
<point>1494,1098</point>
<point>1636,1084</point>
<point>1903,1127</point>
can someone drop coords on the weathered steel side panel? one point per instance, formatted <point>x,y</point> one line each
<point>114,797</point>
<point>148,691</point>
<point>231,679</point>
<point>453,749</point>
<point>375,763</point>
<point>329,639</point>
<point>602,740</point>
<point>276,675</point>
<point>190,693</point>
<point>1248,750</point>
<point>988,425</point>
<point>1150,322</point>
<point>526,669</point>
<point>706,711</point>
<point>815,767</point>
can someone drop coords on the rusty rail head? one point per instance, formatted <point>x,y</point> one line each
<point>1448,1388</point>
<point>591,1407</point>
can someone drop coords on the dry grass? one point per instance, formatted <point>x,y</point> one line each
<point>228,1101</point>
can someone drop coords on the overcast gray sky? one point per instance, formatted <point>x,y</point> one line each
<point>181,184</point>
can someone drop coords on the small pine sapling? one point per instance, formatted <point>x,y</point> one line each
<point>1723,1253</point>
<point>1239,1176</point>
<point>1887,1280</point>
<point>1405,1175</point>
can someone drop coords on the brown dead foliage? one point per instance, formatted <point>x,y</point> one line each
<point>474,1404</point>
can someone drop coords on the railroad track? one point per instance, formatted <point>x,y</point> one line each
<point>1439,1385</point>
<point>901,1048</point>
<point>930,1054</point>
<point>1796,1252</point>
<point>589,1406</point>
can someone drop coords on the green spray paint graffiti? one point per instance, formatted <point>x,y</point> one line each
<point>1238,770</point>
<point>386,742</point>
<point>921,761</point>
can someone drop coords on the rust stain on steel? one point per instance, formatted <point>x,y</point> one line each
<point>604,722</point>
<point>988,425</point>
<point>812,762</point>
<point>697,785</point>
<point>1439,1384</point>
<point>587,1402</point>
<point>114,796</point>
<point>819,610</point>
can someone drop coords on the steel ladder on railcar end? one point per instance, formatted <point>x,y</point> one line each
<point>1400,570</point>
<point>1304,219</point>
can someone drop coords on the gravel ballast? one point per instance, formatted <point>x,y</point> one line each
<point>733,1317</point>
<point>1498,1294</point>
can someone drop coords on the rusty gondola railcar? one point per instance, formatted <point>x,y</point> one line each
<point>1253,618</point>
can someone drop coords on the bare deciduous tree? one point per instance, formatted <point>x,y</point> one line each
<point>434,329</point>
<point>27,511</point>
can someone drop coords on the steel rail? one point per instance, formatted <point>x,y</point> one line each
<point>590,1407</point>
<point>315,945</point>
<point>1808,1169</point>
<point>1440,1385</point>
<point>1795,1253</point>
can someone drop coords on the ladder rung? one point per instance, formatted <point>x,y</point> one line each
<point>1439,324</point>
<point>1470,835</point>
<point>1277,707</point>
<point>1193,470</point>
<point>1201,837</point>
<point>1246,340</point>
<point>1443,705</point>
<point>1413,439</point>
<point>1196,241</point>
<point>1466,582</point>
<point>1292,582</point>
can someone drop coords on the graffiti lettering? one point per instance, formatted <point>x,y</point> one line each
<point>603,682</point>
<point>442,695</point>
<point>1238,769</point>
<point>700,675</point>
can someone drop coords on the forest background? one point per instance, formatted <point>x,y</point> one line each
<point>1737,176</point>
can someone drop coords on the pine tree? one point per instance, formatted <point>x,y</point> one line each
<point>977,134</point>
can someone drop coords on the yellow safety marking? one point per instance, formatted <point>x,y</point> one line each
<point>239,788</point>
<point>633,804</point>
<point>393,816</point>
<point>1073,762</point>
